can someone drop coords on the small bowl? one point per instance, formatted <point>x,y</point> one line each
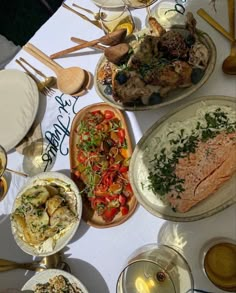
<point>59,240</point>
<point>218,260</point>
<point>44,276</point>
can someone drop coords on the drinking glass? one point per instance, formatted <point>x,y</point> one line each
<point>3,164</point>
<point>138,3</point>
<point>116,18</point>
<point>36,158</point>
<point>155,268</point>
<point>218,260</point>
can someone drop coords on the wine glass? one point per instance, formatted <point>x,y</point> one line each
<point>116,18</point>
<point>155,268</point>
<point>138,3</point>
<point>3,164</point>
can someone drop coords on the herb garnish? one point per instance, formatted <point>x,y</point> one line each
<point>162,177</point>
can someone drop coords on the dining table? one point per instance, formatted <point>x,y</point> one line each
<point>97,256</point>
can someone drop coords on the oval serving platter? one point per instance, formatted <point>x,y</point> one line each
<point>173,96</point>
<point>44,276</point>
<point>224,197</point>
<point>63,240</point>
<point>89,215</point>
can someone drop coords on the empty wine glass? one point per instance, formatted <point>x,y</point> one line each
<point>155,268</point>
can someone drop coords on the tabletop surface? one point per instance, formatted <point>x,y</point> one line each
<point>97,256</point>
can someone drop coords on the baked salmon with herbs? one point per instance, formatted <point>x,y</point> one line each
<point>204,171</point>
<point>196,163</point>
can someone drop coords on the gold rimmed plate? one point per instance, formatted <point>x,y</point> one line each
<point>174,95</point>
<point>154,140</point>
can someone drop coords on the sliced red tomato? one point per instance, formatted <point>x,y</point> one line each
<point>127,190</point>
<point>121,135</point>
<point>81,157</point>
<point>109,114</point>
<point>123,169</point>
<point>122,200</point>
<point>108,178</point>
<point>124,210</point>
<point>109,214</point>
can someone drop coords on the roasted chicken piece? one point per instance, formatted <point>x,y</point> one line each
<point>173,45</point>
<point>156,27</point>
<point>146,50</point>
<point>105,73</point>
<point>129,87</point>
<point>198,55</point>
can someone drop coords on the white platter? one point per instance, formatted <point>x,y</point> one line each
<point>66,237</point>
<point>44,277</point>
<point>109,3</point>
<point>19,100</point>
<point>144,151</point>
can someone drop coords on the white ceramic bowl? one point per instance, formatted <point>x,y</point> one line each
<point>65,237</point>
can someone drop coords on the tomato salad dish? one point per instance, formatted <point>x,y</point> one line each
<point>100,151</point>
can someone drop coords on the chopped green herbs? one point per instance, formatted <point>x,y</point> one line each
<point>162,177</point>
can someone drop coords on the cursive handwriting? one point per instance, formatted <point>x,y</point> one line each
<point>60,131</point>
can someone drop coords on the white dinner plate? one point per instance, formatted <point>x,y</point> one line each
<point>48,248</point>
<point>19,100</point>
<point>109,3</point>
<point>44,276</point>
<point>148,145</point>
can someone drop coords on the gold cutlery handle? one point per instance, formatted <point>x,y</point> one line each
<point>27,71</point>
<point>231,13</point>
<point>7,265</point>
<point>201,12</point>
<point>94,22</point>
<point>85,9</point>
<point>17,172</point>
<point>31,66</point>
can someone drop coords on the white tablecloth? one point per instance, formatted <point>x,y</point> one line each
<point>96,256</point>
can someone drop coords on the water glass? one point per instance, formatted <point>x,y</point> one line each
<point>116,18</point>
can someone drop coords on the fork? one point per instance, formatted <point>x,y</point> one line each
<point>94,22</point>
<point>42,87</point>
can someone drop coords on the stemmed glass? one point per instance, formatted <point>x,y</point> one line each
<point>155,268</point>
<point>3,164</point>
<point>138,3</point>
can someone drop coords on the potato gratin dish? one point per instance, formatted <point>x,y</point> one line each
<point>44,212</point>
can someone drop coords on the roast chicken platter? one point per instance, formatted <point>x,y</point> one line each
<point>159,61</point>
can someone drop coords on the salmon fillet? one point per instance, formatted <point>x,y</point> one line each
<point>204,171</point>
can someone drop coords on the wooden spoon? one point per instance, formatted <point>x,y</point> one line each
<point>111,39</point>
<point>69,80</point>
<point>229,64</point>
<point>114,54</point>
